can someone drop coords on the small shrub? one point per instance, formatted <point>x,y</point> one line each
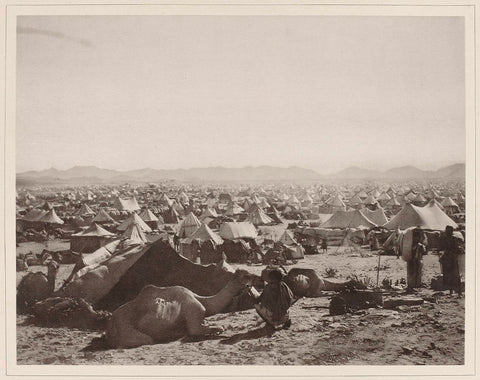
<point>330,272</point>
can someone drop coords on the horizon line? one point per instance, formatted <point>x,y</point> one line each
<point>239,167</point>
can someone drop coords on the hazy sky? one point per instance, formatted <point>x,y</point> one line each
<point>187,91</point>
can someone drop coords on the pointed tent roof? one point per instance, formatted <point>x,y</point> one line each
<point>95,230</point>
<point>247,204</point>
<point>355,201</point>
<point>259,218</point>
<point>47,206</point>
<point>204,233</point>
<point>209,213</point>
<point>103,217</point>
<point>148,216</point>
<point>188,226</point>
<point>233,209</point>
<point>165,200</point>
<point>419,198</point>
<point>78,221</point>
<point>449,202</point>
<point>134,218</point>
<point>430,217</point>
<point>171,216</point>
<point>51,217</point>
<point>410,197</point>
<point>362,194</point>
<point>85,210</point>
<point>348,219</point>
<point>126,204</point>
<point>135,232</point>
<point>377,216</point>
<point>178,206</point>
<point>287,238</point>
<point>335,201</point>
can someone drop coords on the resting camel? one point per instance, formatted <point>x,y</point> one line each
<point>165,314</point>
<point>36,286</point>
<point>306,282</point>
<point>162,266</point>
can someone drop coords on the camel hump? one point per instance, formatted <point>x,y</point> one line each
<point>167,311</point>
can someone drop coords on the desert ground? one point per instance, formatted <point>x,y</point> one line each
<point>431,333</point>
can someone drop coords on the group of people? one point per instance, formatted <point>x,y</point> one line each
<point>450,251</point>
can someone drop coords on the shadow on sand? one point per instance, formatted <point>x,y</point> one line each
<point>265,331</point>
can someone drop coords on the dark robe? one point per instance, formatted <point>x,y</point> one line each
<point>449,262</point>
<point>277,298</point>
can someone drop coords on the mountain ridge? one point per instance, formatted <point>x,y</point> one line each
<point>221,173</point>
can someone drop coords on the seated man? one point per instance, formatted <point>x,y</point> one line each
<point>273,304</point>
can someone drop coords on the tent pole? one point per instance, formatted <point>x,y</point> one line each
<point>378,268</point>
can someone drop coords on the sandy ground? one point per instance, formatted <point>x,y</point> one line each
<point>38,247</point>
<point>432,333</point>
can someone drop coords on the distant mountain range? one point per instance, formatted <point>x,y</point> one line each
<point>92,174</point>
<point>456,171</point>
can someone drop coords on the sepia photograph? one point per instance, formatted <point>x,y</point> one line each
<point>241,189</point>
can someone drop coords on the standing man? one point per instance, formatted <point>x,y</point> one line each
<point>324,245</point>
<point>449,261</point>
<point>415,262</point>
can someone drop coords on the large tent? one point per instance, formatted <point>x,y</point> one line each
<point>335,203</point>
<point>126,204</point>
<point>51,217</point>
<point>134,232</point>
<point>202,234</point>
<point>238,230</point>
<point>90,240</point>
<point>103,217</point>
<point>171,216</point>
<point>258,217</point>
<point>287,238</point>
<point>188,226</point>
<point>348,219</point>
<point>429,217</point>
<point>377,216</point>
<point>149,218</point>
<point>85,210</point>
<point>134,218</point>
<point>233,209</point>
<point>450,206</point>
<point>209,213</point>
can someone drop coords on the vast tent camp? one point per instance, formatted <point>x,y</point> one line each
<point>111,240</point>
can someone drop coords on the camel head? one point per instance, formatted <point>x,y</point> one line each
<point>243,279</point>
<point>223,266</point>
